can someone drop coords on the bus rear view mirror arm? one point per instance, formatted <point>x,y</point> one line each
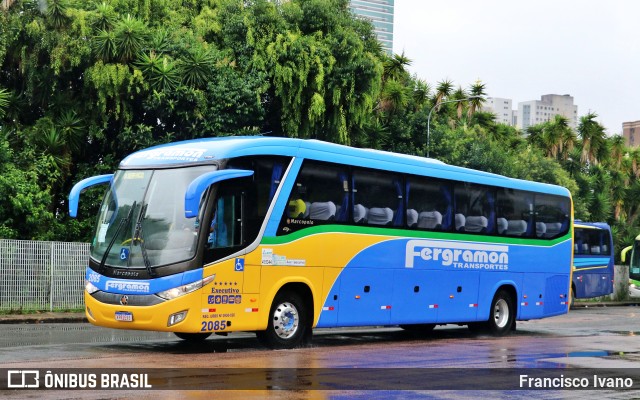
<point>74,195</point>
<point>198,186</point>
<point>623,254</point>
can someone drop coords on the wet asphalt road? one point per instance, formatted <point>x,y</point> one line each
<point>593,338</point>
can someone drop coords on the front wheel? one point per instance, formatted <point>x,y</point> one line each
<point>288,322</point>
<point>502,314</point>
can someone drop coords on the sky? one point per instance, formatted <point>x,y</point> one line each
<point>521,50</point>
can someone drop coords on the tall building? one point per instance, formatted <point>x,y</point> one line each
<point>538,111</point>
<point>631,133</point>
<point>501,108</point>
<point>380,12</point>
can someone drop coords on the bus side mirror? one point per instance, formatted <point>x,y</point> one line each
<point>74,195</point>
<point>198,186</point>
<point>623,254</point>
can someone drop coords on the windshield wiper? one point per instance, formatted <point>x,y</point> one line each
<point>115,236</point>
<point>138,240</point>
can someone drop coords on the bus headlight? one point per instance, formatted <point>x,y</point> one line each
<point>184,289</point>
<point>90,287</point>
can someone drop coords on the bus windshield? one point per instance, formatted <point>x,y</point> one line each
<point>142,221</point>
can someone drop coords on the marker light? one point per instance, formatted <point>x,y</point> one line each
<point>184,289</point>
<point>90,287</point>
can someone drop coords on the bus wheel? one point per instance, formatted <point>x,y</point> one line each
<point>502,314</point>
<point>192,337</point>
<point>288,322</point>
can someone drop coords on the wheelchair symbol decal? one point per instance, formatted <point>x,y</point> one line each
<point>239,264</point>
<point>124,253</point>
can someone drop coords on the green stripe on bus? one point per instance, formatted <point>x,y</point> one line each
<point>399,233</point>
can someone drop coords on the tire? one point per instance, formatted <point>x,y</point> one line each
<point>419,328</point>
<point>502,314</point>
<point>192,337</point>
<point>288,323</point>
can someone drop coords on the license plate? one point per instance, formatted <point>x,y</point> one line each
<point>124,316</point>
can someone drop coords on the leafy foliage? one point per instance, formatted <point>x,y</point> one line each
<point>83,84</point>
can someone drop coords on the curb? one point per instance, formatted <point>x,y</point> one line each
<point>587,304</point>
<point>43,318</point>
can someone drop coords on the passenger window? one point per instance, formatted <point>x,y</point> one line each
<point>474,208</point>
<point>514,212</point>
<point>377,198</point>
<point>553,212</point>
<point>320,195</point>
<point>429,204</point>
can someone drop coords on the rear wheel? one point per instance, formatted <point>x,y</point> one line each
<point>288,322</point>
<point>192,337</point>
<point>502,314</point>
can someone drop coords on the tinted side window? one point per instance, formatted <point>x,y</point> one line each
<point>377,198</point>
<point>268,172</point>
<point>514,212</point>
<point>474,208</point>
<point>592,242</point>
<point>429,204</point>
<point>552,215</point>
<point>320,195</point>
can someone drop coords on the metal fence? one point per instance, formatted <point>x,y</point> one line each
<point>44,276</point>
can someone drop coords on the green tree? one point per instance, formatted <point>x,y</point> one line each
<point>593,138</point>
<point>478,92</point>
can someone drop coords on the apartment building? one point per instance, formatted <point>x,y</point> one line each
<point>535,112</point>
<point>631,133</point>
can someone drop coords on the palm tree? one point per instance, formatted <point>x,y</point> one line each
<point>105,17</point>
<point>535,135</point>
<point>104,45</point>
<point>161,73</point>
<point>395,67</point>
<point>593,138</point>
<point>560,137</point>
<point>130,37</point>
<point>460,95</point>
<point>394,97</point>
<point>477,93</point>
<point>197,67</point>
<point>617,150</point>
<point>619,183</point>
<point>634,155</point>
<point>56,12</point>
<point>421,92</point>
<point>72,129</point>
<point>443,90</point>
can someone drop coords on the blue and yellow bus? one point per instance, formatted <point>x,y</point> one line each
<point>593,260</point>
<point>280,236</point>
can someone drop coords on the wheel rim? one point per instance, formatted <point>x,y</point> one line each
<point>286,320</point>
<point>501,313</point>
